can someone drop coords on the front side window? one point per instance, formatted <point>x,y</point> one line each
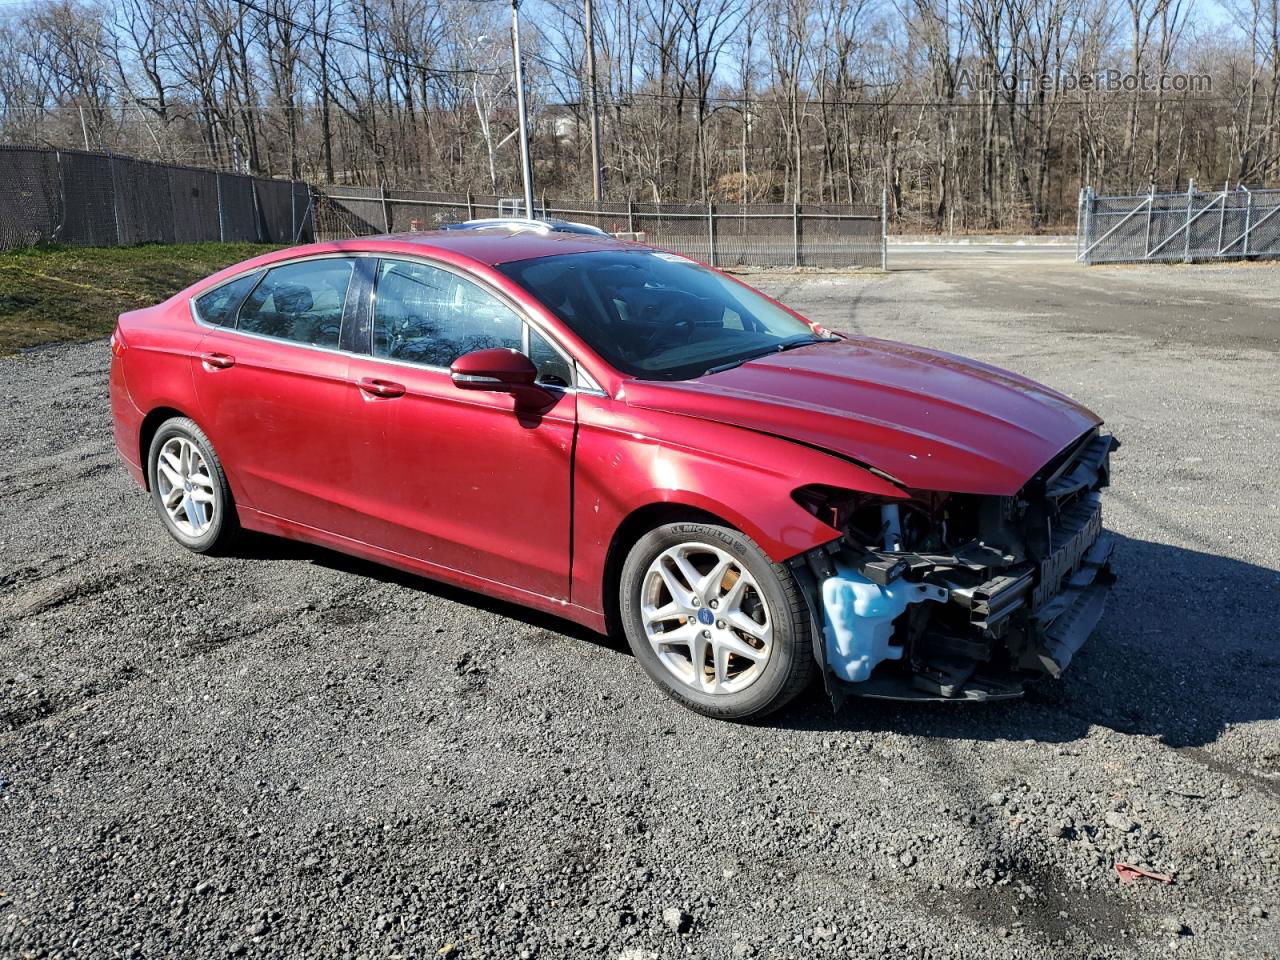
<point>427,315</point>
<point>219,305</point>
<point>658,316</point>
<point>301,302</point>
<point>553,369</point>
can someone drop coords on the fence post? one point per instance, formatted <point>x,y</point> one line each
<point>884,228</point>
<point>293,210</point>
<point>631,216</point>
<point>1248,219</point>
<point>1151,206</point>
<point>115,196</point>
<point>222,227</point>
<point>471,207</point>
<point>307,212</point>
<point>711,231</point>
<point>61,225</point>
<point>386,205</point>
<point>1186,245</point>
<point>1079,218</point>
<point>1222,216</point>
<point>258,231</point>
<point>795,234</point>
<point>1086,224</point>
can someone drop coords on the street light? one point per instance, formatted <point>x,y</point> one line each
<point>526,163</point>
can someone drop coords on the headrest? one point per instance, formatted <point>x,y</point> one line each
<point>292,298</point>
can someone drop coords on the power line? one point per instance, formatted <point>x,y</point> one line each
<point>385,58</point>
<point>10,7</point>
<point>184,111</point>
<point>1171,100</point>
<point>608,100</point>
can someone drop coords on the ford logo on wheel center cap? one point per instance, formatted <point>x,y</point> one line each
<point>706,617</point>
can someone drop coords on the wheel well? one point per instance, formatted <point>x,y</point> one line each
<point>150,424</point>
<point>635,526</point>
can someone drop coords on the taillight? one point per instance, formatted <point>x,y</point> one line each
<point>117,343</point>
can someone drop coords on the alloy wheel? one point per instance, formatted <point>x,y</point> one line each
<point>706,618</point>
<point>186,486</point>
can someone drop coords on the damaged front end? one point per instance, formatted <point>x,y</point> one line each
<point>958,596</point>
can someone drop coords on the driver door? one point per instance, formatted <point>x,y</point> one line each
<point>466,480</point>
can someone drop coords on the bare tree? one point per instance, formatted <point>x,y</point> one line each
<point>960,110</point>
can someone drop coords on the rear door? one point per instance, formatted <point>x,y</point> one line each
<point>464,479</point>
<point>273,387</point>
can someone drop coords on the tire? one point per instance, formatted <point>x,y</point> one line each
<point>204,487</point>
<point>755,646</point>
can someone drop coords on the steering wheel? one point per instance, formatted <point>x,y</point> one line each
<point>663,323</point>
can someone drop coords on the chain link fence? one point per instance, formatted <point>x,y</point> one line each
<point>1183,227</point>
<point>96,200</point>
<point>724,235</point>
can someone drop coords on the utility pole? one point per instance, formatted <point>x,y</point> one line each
<point>597,174</point>
<point>526,163</point>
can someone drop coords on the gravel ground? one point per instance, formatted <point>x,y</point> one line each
<point>287,752</point>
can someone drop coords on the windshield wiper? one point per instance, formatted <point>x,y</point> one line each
<point>800,340</point>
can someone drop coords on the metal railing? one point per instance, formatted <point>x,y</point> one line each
<point>99,199</point>
<point>721,234</point>
<point>1230,224</point>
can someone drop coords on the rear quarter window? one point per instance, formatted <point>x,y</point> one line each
<point>220,304</point>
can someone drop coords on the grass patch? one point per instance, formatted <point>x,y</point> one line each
<point>70,294</point>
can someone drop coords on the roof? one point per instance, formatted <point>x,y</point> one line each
<point>487,247</point>
<point>493,247</point>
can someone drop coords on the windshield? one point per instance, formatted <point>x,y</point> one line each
<point>658,316</point>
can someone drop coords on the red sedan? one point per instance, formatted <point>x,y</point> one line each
<point>635,442</point>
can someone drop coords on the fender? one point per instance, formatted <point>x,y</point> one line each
<point>145,377</point>
<point>744,477</point>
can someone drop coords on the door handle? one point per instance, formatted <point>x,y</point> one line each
<point>381,388</point>
<point>217,361</point>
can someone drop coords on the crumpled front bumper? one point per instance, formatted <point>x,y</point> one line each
<point>1070,617</point>
<point>1001,616</point>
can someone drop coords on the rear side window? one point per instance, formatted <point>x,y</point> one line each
<point>219,305</point>
<point>301,302</point>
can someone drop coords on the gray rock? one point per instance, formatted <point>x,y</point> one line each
<point>1118,821</point>
<point>676,920</point>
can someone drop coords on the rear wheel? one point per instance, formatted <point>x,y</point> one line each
<point>721,628</point>
<point>188,486</point>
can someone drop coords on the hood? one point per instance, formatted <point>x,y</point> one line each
<point>931,420</point>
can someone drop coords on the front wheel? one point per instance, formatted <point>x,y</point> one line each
<point>721,628</point>
<point>188,486</point>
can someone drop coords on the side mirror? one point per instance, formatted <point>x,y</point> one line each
<point>500,369</point>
